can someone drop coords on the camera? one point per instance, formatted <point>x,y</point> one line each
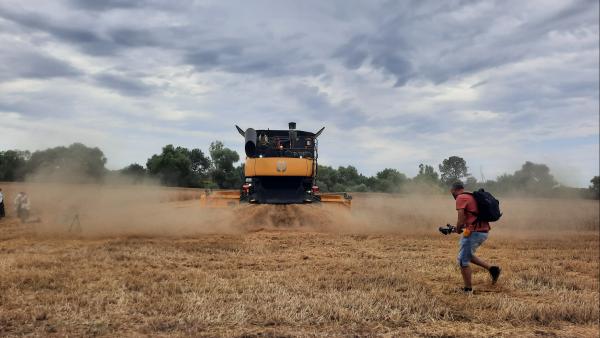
<point>448,229</point>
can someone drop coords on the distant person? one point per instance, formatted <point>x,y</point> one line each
<point>22,206</point>
<point>474,233</point>
<point>2,213</point>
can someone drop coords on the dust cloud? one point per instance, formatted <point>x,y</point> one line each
<point>105,210</point>
<point>93,210</point>
<point>369,214</point>
<point>147,210</point>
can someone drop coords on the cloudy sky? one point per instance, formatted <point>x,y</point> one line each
<point>395,83</point>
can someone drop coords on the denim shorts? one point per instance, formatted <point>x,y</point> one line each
<point>468,246</point>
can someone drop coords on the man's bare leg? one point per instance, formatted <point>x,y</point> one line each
<point>478,261</point>
<point>493,270</point>
<point>466,273</point>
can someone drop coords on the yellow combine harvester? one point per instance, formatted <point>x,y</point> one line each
<point>281,168</point>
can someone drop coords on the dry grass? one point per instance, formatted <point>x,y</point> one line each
<point>385,271</point>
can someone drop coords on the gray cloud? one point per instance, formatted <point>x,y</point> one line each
<point>107,4</point>
<point>132,37</point>
<point>63,31</point>
<point>16,64</point>
<point>353,53</point>
<point>205,50</point>
<point>438,44</point>
<point>81,31</point>
<point>400,79</point>
<point>243,58</point>
<point>319,106</point>
<point>126,85</point>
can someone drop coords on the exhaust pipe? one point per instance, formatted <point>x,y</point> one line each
<point>250,140</point>
<point>293,134</point>
<point>250,144</point>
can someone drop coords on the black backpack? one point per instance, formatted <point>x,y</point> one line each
<point>488,205</point>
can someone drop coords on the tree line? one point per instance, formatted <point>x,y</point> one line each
<point>531,179</point>
<point>77,163</point>
<point>183,167</point>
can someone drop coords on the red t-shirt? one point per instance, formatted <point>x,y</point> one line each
<point>468,203</point>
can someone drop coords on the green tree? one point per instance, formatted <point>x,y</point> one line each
<point>136,172</point>
<point>200,163</point>
<point>223,171</point>
<point>389,180</point>
<point>427,175</point>
<point>75,163</point>
<point>327,178</point>
<point>453,169</point>
<point>531,179</point>
<point>534,178</point>
<point>360,188</point>
<point>351,180</point>
<point>13,165</point>
<point>503,184</point>
<point>179,166</point>
<point>238,175</point>
<point>340,179</point>
<point>471,183</point>
<point>595,187</point>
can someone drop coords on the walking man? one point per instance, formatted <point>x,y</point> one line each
<point>22,206</point>
<point>474,233</point>
<point>2,213</point>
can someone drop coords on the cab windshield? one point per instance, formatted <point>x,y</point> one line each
<point>284,143</point>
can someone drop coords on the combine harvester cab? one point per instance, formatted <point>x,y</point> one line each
<point>280,168</point>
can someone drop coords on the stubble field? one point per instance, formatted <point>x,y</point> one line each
<point>145,261</point>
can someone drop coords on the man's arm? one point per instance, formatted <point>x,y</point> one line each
<point>462,219</point>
